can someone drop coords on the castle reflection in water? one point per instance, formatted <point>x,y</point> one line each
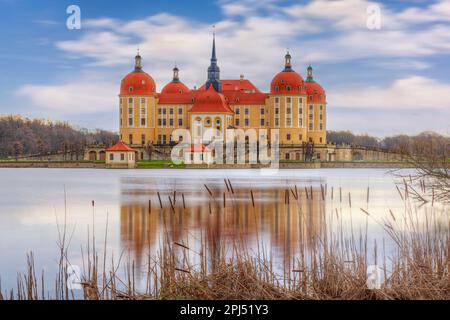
<point>280,217</point>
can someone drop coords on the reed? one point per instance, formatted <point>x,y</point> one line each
<point>333,265</point>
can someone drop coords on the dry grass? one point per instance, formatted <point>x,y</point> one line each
<point>333,266</point>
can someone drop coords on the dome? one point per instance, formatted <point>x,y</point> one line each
<point>175,87</point>
<point>137,82</point>
<point>287,81</point>
<point>316,94</point>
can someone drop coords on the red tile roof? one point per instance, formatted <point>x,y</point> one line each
<point>120,146</point>
<point>241,91</point>
<point>210,101</point>
<point>140,82</point>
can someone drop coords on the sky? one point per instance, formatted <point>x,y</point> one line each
<point>387,80</point>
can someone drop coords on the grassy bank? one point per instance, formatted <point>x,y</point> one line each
<point>158,164</point>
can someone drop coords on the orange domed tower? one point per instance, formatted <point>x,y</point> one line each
<point>287,102</point>
<point>317,105</point>
<point>137,106</point>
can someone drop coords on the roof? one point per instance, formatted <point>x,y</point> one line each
<point>120,146</point>
<point>241,91</point>
<point>177,98</point>
<point>315,91</point>
<point>140,82</point>
<point>287,82</point>
<point>174,87</point>
<point>197,148</point>
<point>210,101</point>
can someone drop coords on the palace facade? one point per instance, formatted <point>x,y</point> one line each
<point>294,106</point>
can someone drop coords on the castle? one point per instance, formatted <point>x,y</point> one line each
<point>294,106</point>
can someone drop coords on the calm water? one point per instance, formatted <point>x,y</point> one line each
<point>289,208</point>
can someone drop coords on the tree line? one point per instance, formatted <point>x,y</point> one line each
<point>423,143</point>
<point>21,136</point>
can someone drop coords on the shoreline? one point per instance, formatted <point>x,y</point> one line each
<point>282,165</point>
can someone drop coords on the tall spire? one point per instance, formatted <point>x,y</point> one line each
<point>213,54</point>
<point>138,62</point>
<point>213,69</point>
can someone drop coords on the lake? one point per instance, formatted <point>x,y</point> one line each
<point>273,212</point>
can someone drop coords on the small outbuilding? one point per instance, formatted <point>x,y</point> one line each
<point>198,154</point>
<point>120,156</point>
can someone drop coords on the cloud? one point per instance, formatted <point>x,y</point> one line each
<point>409,93</point>
<point>90,95</point>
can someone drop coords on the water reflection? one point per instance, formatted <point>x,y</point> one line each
<point>279,215</point>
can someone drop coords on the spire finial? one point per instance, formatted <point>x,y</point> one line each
<point>287,61</point>
<point>309,71</point>
<point>138,62</point>
<point>176,77</point>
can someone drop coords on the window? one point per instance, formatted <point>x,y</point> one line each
<point>287,156</point>
<point>262,111</point>
<point>164,139</point>
<point>130,117</point>
<point>180,122</point>
<point>277,122</point>
<point>277,111</point>
<point>246,111</point>
<point>300,101</point>
<point>143,113</point>
<point>320,139</point>
<point>159,139</point>
<point>164,111</point>
<point>130,89</point>
<point>143,139</point>
<point>288,100</point>
<point>300,137</point>
<point>171,122</point>
<point>262,122</point>
<point>246,122</point>
<point>171,111</point>
<point>237,122</point>
<point>288,88</point>
<point>238,111</point>
<point>130,138</point>
<point>288,122</point>
<point>130,101</point>
<point>180,138</point>
<point>111,156</point>
<point>122,156</point>
<point>288,110</point>
<point>277,100</point>
<point>159,110</point>
<point>159,122</point>
<point>300,117</point>
<point>277,89</point>
<point>288,137</point>
<point>164,122</point>
<point>180,111</point>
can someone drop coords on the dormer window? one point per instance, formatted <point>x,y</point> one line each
<point>277,88</point>
<point>130,89</point>
<point>143,82</point>
<point>288,88</point>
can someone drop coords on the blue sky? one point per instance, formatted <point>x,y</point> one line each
<point>392,80</point>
